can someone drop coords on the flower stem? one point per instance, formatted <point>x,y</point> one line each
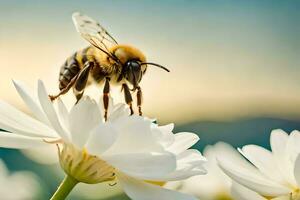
<point>65,188</point>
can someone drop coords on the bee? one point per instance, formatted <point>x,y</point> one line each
<point>103,62</point>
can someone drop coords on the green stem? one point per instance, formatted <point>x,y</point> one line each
<point>65,188</point>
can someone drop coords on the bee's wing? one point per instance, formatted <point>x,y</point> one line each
<point>93,32</point>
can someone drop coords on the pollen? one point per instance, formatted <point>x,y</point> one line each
<point>159,183</point>
<point>84,167</point>
<point>295,195</point>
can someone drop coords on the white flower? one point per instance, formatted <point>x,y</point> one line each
<point>273,174</point>
<point>215,185</point>
<point>131,150</point>
<point>18,185</point>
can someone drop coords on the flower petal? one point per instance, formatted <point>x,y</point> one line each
<point>252,180</point>
<point>135,136</point>
<point>16,121</point>
<point>140,190</point>
<point>263,159</point>
<point>242,193</point>
<point>183,141</point>
<point>293,145</point>
<point>189,163</point>
<point>83,118</point>
<point>164,134</point>
<point>118,111</point>
<point>50,112</point>
<point>279,141</point>
<point>30,102</point>
<point>17,141</point>
<point>143,165</point>
<point>45,155</point>
<point>297,169</point>
<point>63,113</point>
<point>101,138</point>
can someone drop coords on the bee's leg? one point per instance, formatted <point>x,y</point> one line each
<point>78,95</point>
<point>65,89</point>
<point>81,80</point>
<point>106,90</point>
<point>128,97</point>
<point>139,96</point>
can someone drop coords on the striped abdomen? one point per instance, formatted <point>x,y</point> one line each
<point>72,66</point>
<point>68,71</point>
<point>76,62</point>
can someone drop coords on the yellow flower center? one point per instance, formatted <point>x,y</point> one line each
<point>84,167</point>
<point>223,196</point>
<point>295,195</point>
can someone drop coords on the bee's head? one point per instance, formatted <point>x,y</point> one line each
<point>133,63</point>
<point>133,72</point>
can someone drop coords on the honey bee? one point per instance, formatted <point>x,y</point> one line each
<point>103,62</point>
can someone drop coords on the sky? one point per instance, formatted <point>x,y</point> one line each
<point>228,59</point>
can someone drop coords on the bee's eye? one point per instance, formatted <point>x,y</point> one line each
<point>133,65</point>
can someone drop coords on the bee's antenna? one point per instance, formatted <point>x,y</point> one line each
<point>157,65</point>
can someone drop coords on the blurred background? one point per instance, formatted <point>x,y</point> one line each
<point>234,77</point>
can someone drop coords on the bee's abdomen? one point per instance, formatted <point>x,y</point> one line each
<point>68,71</point>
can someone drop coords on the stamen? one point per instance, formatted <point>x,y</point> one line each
<point>112,184</point>
<point>57,141</point>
